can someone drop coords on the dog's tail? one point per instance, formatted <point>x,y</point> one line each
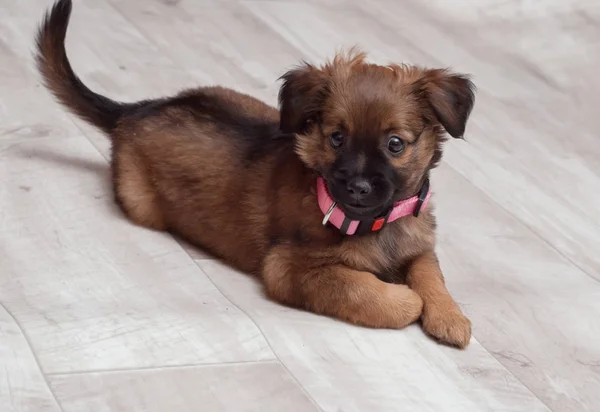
<point>59,78</point>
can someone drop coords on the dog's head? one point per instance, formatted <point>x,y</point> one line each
<point>373,132</point>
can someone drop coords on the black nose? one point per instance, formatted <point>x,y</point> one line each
<point>359,187</point>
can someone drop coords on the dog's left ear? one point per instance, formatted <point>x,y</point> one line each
<point>301,97</point>
<point>451,97</point>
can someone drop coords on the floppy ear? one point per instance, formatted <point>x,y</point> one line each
<point>451,97</point>
<point>301,97</point>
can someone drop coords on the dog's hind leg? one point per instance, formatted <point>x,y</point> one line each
<point>134,189</point>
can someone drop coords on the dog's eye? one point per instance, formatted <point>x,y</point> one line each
<point>336,139</point>
<point>395,145</point>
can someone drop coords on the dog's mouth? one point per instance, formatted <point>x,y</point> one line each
<point>361,212</point>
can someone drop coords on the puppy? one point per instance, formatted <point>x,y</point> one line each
<point>326,200</point>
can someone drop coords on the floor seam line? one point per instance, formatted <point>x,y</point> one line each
<point>511,373</point>
<point>488,197</point>
<point>251,318</point>
<point>163,367</point>
<point>33,354</point>
<point>525,225</point>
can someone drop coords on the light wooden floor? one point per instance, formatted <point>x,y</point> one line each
<point>99,315</point>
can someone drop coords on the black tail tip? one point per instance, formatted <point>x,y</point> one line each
<point>52,31</point>
<point>62,7</point>
<point>56,18</point>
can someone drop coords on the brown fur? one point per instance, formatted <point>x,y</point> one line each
<point>212,165</point>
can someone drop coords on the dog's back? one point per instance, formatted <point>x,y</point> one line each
<point>172,154</point>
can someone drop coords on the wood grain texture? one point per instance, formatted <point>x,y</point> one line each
<point>517,204</point>
<point>259,387</point>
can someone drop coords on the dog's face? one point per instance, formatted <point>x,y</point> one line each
<point>373,132</point>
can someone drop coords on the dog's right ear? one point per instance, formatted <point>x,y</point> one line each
<point>301,98</point>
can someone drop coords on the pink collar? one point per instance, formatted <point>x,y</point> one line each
<point>335,215</point>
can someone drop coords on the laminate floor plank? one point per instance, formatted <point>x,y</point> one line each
<point>260,387</point>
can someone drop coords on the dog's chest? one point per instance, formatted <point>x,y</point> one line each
<point>388,250</point>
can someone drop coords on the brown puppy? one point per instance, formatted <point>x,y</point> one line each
<point>239,178</point>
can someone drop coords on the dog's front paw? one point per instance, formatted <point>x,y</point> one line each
<point>447,325</point>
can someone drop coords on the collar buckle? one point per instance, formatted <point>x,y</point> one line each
<point>328,214</point>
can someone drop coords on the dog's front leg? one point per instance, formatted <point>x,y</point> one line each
<point>441,318</point>
<point>293,278</point>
